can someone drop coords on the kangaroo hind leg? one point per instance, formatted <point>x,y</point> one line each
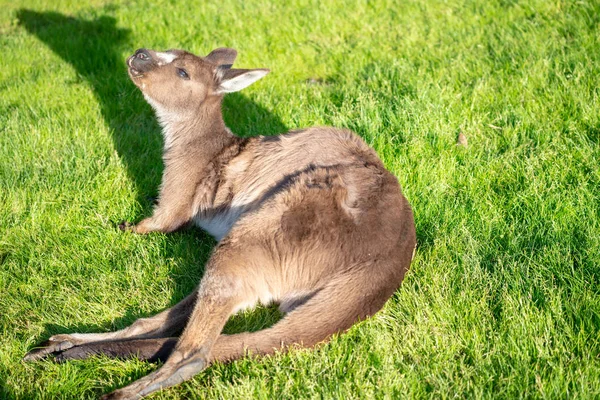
<point>222,290</point>
<point>164,324</point>
<point>332,310</point>
<point>151,350</point>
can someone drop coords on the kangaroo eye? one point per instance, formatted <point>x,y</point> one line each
<point>182,73</point>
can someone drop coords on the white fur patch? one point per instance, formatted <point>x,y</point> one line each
<point>165,58</point>
<point>220,225</point>
<point>165,119</point>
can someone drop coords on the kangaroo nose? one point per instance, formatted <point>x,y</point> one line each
<point>142,54</point>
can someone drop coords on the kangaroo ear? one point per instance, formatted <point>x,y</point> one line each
<point>233,80</point>
<point>222,57</point>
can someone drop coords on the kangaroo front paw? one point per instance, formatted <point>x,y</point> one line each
<point>145,226</point>
<point>126,226</point>
<point>53,345</point>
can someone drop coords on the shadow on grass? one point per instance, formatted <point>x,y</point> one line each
<point>94,48</point>
<point>4,394</point>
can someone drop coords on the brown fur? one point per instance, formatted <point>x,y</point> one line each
<point>311,220</point>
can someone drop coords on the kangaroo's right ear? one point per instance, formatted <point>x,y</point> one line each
<point>223,57</point>
<point>233,80</point>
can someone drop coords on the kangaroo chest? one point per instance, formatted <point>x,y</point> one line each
<point>233,195</point>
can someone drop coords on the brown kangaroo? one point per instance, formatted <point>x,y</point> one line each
<point>310,219</point>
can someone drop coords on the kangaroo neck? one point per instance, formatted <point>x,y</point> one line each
<point>201,134</point>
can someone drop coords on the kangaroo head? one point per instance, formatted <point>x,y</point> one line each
<point>179,82</point>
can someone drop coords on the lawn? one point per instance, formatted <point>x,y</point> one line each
<point>503,297</point>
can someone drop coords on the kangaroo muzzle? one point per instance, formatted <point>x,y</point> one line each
<point>141,61</point>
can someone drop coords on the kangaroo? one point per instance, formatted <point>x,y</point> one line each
<point>310,220</point>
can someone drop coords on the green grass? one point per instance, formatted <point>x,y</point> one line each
<point>503,298</point>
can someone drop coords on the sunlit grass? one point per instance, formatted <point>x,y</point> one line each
<point>503,299</point>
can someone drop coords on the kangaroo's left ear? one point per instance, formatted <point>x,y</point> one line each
<point>233,80</point>
<point>222,57</point>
